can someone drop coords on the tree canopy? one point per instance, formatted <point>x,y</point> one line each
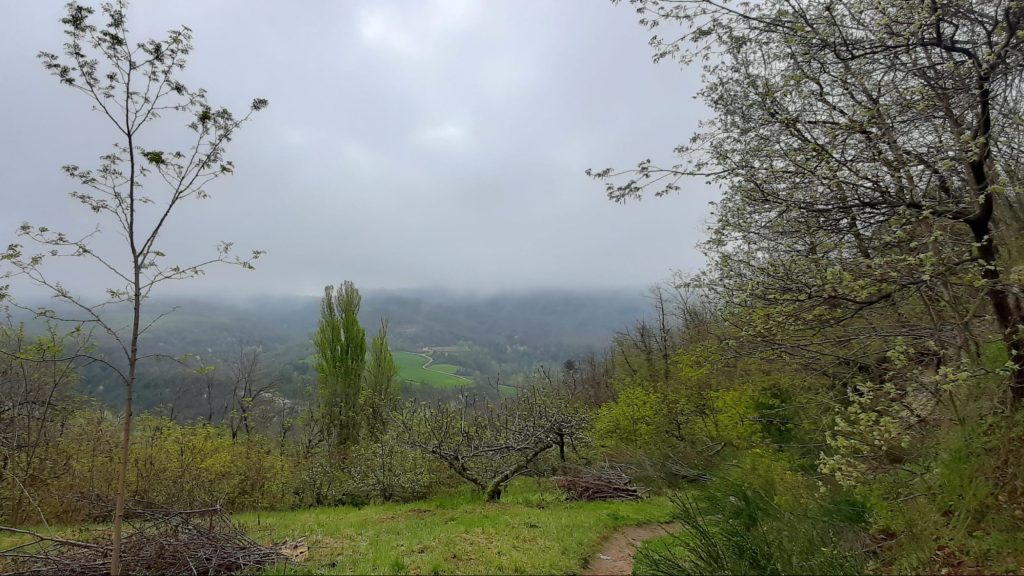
<point>869,158</point>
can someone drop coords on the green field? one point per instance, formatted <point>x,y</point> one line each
<point>532,531</point>
<point>410,369</point>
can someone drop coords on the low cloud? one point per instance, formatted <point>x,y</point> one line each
<point>407,144</point>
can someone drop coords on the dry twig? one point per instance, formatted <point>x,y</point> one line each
<point>175,542</point>
<point>599,483</point>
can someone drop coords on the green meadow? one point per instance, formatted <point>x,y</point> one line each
<point>533,530</point>
<point>411,369</point>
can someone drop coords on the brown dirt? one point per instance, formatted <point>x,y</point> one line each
<point>616,555</point>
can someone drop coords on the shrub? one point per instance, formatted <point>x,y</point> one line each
<point>384,469</point>
<point>172,465</point>
<point>762,518</point>
<point>635,420</point>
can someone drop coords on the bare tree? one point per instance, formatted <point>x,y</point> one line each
<point>646,347</point>
<point>593,379</point>
<point>488,444</point>
<point>132,84</point>
<point>249,386</point>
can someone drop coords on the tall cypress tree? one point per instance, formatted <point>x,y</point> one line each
<point>340,343</point>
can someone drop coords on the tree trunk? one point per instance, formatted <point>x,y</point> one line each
<point>1007,306</point>
<point>1016,347</point>
<point>133,356</point>
<point>1009,313</point>
<point>126,438</point>
<point>493,493</point>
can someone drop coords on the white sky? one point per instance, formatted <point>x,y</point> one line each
<point>407,144</point>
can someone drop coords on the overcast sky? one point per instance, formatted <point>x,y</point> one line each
<point>407,144</point>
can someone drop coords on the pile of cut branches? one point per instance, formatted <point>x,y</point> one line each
<point>185,542</point>
<point>598,483</point>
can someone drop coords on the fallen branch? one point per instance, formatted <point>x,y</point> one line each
<point>600,483</point>
<point>174,542</point>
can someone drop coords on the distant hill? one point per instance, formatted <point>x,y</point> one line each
<point>506,334</point>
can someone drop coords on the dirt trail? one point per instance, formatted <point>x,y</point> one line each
<point>616,555</point>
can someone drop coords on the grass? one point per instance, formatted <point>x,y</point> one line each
<point>645,561</point>
<point>445,368</point>
<point>532,531</point>
<point>410,369</point>
<point>80,532</point>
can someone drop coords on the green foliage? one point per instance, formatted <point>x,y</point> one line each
<point>176,465</point>
<point>635,420</point>
<point>734,411</point>
<point>380,393</point>
<point>959,506</point>
<point>171,465</point>
<point>340,344</point>
<point>761,518</point>
<point>921,459</point>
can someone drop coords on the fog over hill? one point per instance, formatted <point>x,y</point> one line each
<point>504,335</point>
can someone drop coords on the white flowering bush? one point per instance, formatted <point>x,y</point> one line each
<point>884,420</point>
<point>385,469</point>
<point>872,425</point>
